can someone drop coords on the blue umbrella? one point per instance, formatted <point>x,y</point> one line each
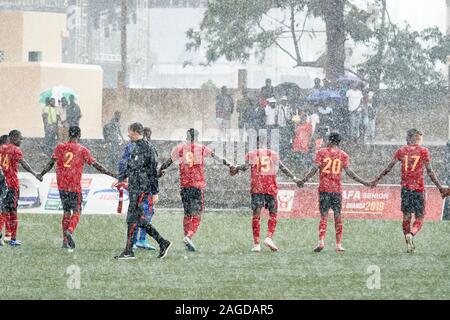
<point>349,79</point>
<point>323,95</point>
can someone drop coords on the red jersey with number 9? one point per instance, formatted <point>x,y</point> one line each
<point>70,159</point>
<point>10,155</point>
<point>331,162</point>
<point>191,157</point>
<point>264,165</point>
<point>413,157</point>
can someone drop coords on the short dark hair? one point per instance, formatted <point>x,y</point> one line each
<point>74,132</point>
<point>137,127</point>
<point>192,134</point>
<point>147,131</point>
<point>14,134</point>
<point>411,133</point>
<point>3,139</point>
<point>334,138</point>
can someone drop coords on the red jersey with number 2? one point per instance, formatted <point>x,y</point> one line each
<point>413,157</point>
<point>191,157</point>
<point>70,159</point>
<point>331,162</point>
<point>10,155</point>
<point>264,164</point>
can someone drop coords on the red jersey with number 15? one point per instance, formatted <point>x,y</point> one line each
<point>70,159</point>
<point>191,157</point>
<point>264,164</point>
<point>10,155</point>
<point>331,162</point>
<point>413,157</point>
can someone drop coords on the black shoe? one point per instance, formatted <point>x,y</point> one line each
<point>70,241</point>
<point>125,256</point>
<point>1,240</point>
<point>164,248</point>
<point>65,245</point>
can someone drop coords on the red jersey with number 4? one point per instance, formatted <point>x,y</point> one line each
<point>413,157</point>
<point>10,155</point>
<point>331,162</point>
<point>191,157</point>
<point>70,159</point>
<point>264,164</point>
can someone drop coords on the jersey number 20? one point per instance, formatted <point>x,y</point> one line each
<point>332,166</point>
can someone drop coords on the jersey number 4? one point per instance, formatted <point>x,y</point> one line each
<point>4,162</point>
<point>332,166</point>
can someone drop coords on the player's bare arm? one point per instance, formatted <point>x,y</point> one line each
<point>434,178</point>
<point>384,172</point>
<point>288,172</point>
<point>221,160</point>
<point>27,168</point>
<point>357,178</point>
<point>311,173</point>
<point>235,169</point>
<point>103,170</point>
<point>47,168</point>
<point>164,166</point>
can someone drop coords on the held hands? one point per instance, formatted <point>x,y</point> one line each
<point>39,176</point>
<point>155,199</point>
<point>233,171</point>
<point>300,183</point>
<point>161,173</point>
<point>445,192</point>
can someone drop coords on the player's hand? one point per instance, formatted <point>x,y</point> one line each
<point>233,171</point>
<point>445,192</point>
<point>373,183</point>
<point>39,177</point>
<point>155,199</point>
<point>115,184</point>
<point>161,173</point>
<point>300,183</point>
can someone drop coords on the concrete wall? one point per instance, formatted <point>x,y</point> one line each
<point>22,32</point>
<point>22,83</point>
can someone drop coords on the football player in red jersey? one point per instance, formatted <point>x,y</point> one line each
<point>191,157</point>
<point>414,158</point>
<point>70,158</point>
<point>10,157</point>
<point>330,161</point>
<point>264,189</point>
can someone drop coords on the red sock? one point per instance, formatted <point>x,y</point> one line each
<point>406,225</point>
<point>256,228</point>
<point>271,225</point>
<point>13,224</point>
<point>2,221</point>
<point>65,224</point>
<point>196,219</point>
<point>417,225</point>
<point>187,224</point>
<point>338,227</point>
<point>8,228</point>
<point>323,228</point>
<point>74,219</point>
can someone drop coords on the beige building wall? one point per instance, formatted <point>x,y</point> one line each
<point>11,35</point>
<point>22,83</point>
<point>22,32</point>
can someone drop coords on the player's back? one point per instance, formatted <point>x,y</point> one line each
<point>413,158</point>
<point>264,166</point>
<point>331,162</point>
<point>191,158</point>
<point>10,155</point>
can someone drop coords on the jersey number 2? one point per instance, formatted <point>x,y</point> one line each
<point>69,158</point>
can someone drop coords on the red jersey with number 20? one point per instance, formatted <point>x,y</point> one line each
<point>10,155</point>
<point>191,157</point>
<point>331,162</point>
<point>264,164</point>
<point>413,157</point>
<point>70,159</point>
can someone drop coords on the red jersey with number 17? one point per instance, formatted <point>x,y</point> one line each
<point>70,159</point>
<point>413,157</point>
<point>264,164</point>
<point>331,162</point>
<point>191,157</point>
<point>10,155</point>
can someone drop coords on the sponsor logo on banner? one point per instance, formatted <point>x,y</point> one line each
<point>53,199</point>
<point>109,195</point>
<point>29,194</point>
<point>285,200</point>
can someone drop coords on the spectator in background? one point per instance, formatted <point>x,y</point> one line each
<point>63,125</point>
<point>271,122</point>
<point>302,140</point>
<point>73,112</point>
<point>268,91</point>
<point>446,215</point>
<point>113,138</point>
<point>50,118</point>
<point>374,105</point>
<point>354,96</point>
<point>317,85</point>
<point>286,126</point>
<point>224,110</point>
<point>313,115</point>
<point>325,112</point>
<point>244,108</point>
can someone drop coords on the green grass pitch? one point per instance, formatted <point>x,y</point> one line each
<point>223,267</point>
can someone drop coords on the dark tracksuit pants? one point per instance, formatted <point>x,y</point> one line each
<point>136,218</point>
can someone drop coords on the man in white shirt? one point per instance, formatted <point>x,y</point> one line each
<point>285,113</point>
<point>354,96</point>
<point>272,122</point>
